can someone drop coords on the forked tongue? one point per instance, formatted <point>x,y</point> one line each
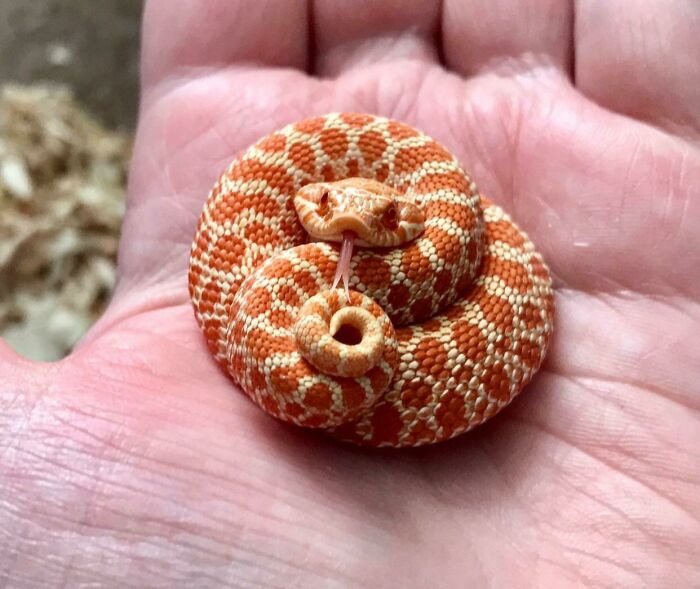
<point>343,268</point>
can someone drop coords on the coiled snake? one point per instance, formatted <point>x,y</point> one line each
<point>450,307</point>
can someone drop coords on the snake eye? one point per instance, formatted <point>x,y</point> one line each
<point>391,217</point>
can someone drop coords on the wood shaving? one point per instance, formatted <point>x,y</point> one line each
<point>62,199</point>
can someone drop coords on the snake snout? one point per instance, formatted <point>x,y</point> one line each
<point>379,215</point>
<point>342,221</point>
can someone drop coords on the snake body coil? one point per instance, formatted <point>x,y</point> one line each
<point>451,325</point>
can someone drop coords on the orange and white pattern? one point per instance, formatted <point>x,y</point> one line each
<point>466,308</point>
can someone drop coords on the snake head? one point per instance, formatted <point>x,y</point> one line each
<point>377,215</point>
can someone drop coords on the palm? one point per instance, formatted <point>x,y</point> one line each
<point>138,446</point>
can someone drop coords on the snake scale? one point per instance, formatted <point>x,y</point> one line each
<point>440,332</point>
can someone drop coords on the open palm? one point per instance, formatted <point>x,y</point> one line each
<point>135,461</point>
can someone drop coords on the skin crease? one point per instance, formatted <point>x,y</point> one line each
<point>135,463</point>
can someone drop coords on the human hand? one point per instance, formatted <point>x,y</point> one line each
<point>136,462</point>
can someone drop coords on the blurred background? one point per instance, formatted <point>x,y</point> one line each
<point>68,102</point>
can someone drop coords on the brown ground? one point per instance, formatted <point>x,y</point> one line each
<point>91,45</point>
<point>63,167</point>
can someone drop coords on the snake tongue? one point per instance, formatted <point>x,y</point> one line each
<point>343,268</point>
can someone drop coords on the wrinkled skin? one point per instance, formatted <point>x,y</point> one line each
<point>135,462</point>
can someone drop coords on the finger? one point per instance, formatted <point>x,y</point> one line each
<point>481,34</point>
<point>364,32</point>
<point>641,58</point>
<point>201,33</point>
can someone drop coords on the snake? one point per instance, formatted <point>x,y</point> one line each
<point>445,311</point>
